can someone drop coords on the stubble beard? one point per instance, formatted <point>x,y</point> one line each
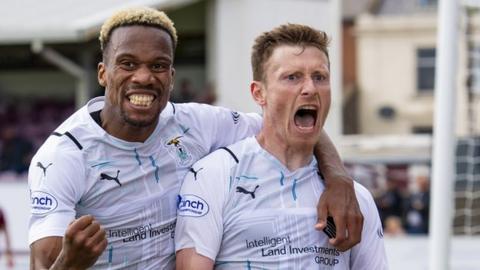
<point>136,123</point>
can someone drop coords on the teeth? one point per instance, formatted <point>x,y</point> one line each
<point>141,100</point>
<point>308,107</point>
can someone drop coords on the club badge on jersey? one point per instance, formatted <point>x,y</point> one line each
<point>178,150</point>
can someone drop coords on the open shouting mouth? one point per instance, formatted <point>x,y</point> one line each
<point>306,117</point>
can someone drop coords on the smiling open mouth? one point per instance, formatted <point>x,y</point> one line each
<point>141,100</point>
<point>305,117</point>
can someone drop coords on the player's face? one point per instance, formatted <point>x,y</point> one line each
<point>295,93</point>
<point>137,73</point>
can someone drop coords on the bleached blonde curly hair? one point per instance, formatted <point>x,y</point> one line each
<point>137,16</point>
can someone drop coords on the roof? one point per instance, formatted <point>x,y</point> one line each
<point>52,21</point>
<point>353,8</point>
<point>404,7</point>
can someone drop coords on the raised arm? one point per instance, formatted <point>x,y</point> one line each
<point>83,243</point>
<point>338,200</point>
<point>189,259</point>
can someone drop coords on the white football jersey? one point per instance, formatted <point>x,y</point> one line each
<point>131,188</point>
<point>242,208</point>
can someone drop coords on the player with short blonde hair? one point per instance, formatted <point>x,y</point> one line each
<point>258,198</point>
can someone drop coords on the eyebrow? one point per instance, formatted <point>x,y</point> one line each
<point>132,56</point>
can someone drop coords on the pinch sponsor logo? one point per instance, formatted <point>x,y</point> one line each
<point>42,203</point>
<point>189,205</point>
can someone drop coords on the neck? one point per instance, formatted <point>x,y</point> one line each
<point>290,155</point>
<point>114,125</point>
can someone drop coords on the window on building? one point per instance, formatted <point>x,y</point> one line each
<point>422,130</point>
<point>425,69</point>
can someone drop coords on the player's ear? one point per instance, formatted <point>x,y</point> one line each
<point>258,92</point>
<point>101,74</point>
<point>173,79</point>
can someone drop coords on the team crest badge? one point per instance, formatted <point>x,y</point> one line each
<point>178,150</point>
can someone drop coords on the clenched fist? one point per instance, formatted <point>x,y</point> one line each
<point>83,243</point>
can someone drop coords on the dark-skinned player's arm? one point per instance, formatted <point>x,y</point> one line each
<point>338,200</point>
<point>83,243</point>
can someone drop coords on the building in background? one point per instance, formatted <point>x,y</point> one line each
<point>396,58</point>
<point>396,53</point>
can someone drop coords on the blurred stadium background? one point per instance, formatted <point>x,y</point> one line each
<point>384,55</point>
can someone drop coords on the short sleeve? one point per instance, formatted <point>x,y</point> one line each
<point>200,206</point>
<point>56,180</point>
<point>370,252</point>
<point>220,126</point>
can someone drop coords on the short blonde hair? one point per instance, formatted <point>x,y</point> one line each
<point>137,16</point>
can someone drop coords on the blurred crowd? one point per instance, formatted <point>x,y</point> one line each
<point>401,193</point>
<point>23,128</point>
<point>185,92</point>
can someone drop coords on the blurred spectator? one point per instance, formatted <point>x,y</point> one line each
<point>401,192</point>
<point>393,226</point>
<point>8,249</point>
<point>370,176</point>
<point>16,151</point>
<point>208,96</point>
<point>417,212</point>
<point>390,203</point>
<point>185,93</point>
<point>24,126</point>
<point>399,174</point>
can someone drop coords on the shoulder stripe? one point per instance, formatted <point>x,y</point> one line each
<point>70,136</point>
<point>231,153</point>
<point>173,106</point>
<point>74,140</point>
